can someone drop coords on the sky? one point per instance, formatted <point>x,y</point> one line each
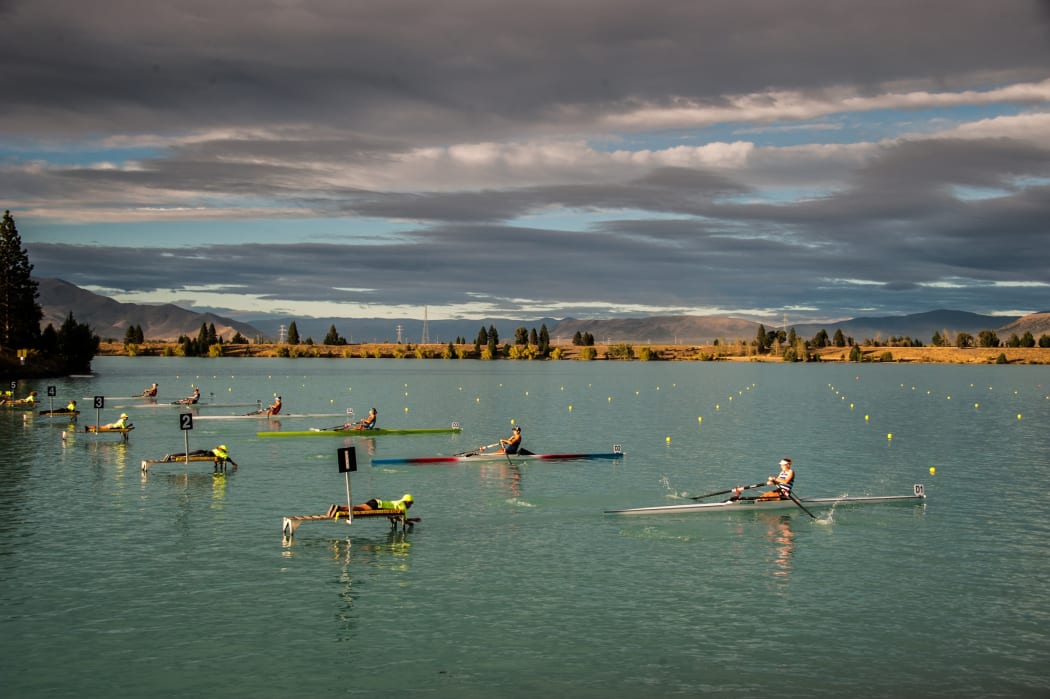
<point>807,160</point>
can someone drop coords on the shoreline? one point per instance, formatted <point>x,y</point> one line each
<point>655,352</point>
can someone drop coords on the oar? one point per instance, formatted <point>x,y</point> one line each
<point>474,452</point>
<point>799,503</point>
<point>723,492</point>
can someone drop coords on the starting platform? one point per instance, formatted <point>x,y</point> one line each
<point>219,464</point>
<point>337,513</point>
<point>102,429</point>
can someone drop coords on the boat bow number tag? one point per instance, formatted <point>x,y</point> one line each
<point>920,490</point>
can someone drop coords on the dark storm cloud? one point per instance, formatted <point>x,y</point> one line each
<point>329,109</point>
<point>419,67</point>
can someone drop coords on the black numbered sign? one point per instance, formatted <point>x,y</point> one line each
<point>100,402</point>
<point>185,421</point>
<point>347,459</point>
<point>52,391</point>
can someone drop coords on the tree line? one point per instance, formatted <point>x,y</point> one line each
<point>25,349</point>
<point>794,348</point>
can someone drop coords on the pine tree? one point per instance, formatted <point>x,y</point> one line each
<point>545,341</point>
<point>20,314</point>
<point>333,338</point>
<point>77,345</point>
<point>293,334</point>
<point>493,341</point>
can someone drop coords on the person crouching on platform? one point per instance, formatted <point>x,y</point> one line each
<point>401,506</point>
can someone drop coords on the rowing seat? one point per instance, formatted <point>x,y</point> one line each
<point>339,512</point>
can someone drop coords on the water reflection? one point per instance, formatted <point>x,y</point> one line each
<point>782,538</point>
<point>213,483</point>
<point>113,452</point>
<point>505,476</point>
<point>363,559</point>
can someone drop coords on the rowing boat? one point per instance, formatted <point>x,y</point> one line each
<point>256,416</point>
<point>756,505</point>
<point>455,428</point>
<point>616,453</point>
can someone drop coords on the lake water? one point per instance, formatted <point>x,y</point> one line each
<point>516,583</point>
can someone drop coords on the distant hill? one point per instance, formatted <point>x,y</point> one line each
<point>111,319</point>
<point>918,326</point>
<point>365,330</point>
<point>662,330</point>
<point>1036,323</point>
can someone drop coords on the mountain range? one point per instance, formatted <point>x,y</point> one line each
<point>109,319</point>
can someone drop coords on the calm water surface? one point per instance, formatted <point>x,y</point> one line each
<point>516,584</point>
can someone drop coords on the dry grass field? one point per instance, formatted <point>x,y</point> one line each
<point>733,353</point>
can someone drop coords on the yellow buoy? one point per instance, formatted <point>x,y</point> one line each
<point>933,470</point>
<point>889,436</point>
<point>668,440</point>
<point>570,408</point>
<point>700,419</point>
<point>1018,416</point>
<point>512,421</point>
<point>866,418</point>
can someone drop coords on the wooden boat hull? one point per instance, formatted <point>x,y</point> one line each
<point>919,496</point>
<point>60,413</point>
<point>497,457</point>
<point>358,433</point>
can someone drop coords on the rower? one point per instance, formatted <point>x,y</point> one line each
<point>192,400</point>
<point>368,423</point>
<point>783,482</point>
<point>276,407</point>
<point>512,444</point>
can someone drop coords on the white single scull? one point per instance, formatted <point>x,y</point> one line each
<point>755,505</point>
